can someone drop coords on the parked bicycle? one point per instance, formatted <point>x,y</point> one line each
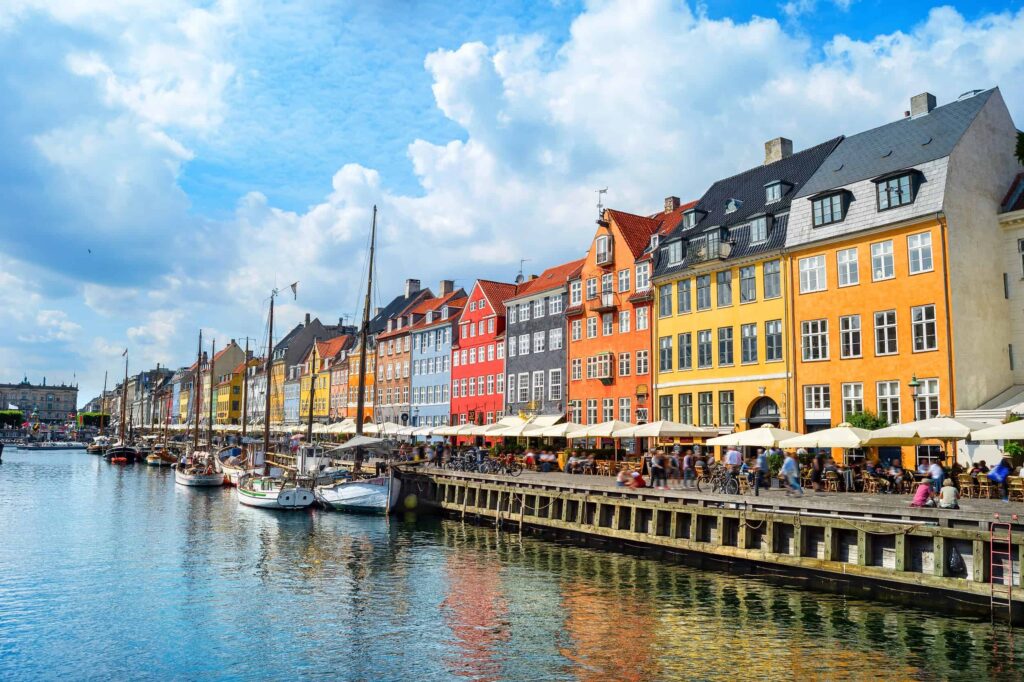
<point>718,480</point>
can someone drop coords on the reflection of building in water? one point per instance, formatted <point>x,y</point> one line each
<point>476,611</point>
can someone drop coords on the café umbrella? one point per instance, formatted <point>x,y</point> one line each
<point>765,436</point>
<point>842,436</point>
<point>664,429</point>
<point>1010,431</point>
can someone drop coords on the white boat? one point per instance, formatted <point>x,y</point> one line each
<point>198,472</point>
<point>273,492</point>
<point>233,463</point>
<point>377,495</point>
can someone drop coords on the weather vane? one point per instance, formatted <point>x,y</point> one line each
<point>600,206</point>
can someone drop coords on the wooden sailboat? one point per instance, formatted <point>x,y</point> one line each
<point>233,460</point>
<point>268,487</point>
<point>198,469</point>
<point>100,442</point>
<point>359,493</point>
<point>121,452</point>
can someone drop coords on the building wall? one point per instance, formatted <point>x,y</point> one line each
<point>339,390</point>
<point>548,366</point>
<point>1013,232</point>
<point>469,406</point>
<point>430,384</point>
<point>980,169</point>
<point>291,401</point>
<point>277,372</point>
<point>52,404</point>
<point>746,383</point>
<point>394,355</point>
<point>353,383</point>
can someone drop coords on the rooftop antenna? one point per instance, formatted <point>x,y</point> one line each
<point>520,278</point>
<point>600,206</point>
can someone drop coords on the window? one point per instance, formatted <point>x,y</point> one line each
<point>490,352</point>
<point>846,263</point>
<point>814,340</point>
<point>539,308</point>
<point>607,283</point>
<point>772,192</point>
<point>889,401</point>
<point>665,408</point>
<point>538,386</point>
<point>591,410</point>
<point>555,384</point>
<point>923,327</point>
<point>927,405</point>
<point>490,325</point>
<point>577,329</point>
<point>706,408</point>
<point>817,397</point>
<point>704,348</point>
<point>604,249</point>
<point>683,296</point>
<point>853,399</point>
<point>555,338</point>
<point>726,408</point>
<point>643,276</point>
<point>827,210</point>
<point>685,408</point>
<point>623,321</point>
<point>607,409</point>
<point>577,369</point>
<point>812,274</point>
<point>885,332</point>
<point>555,304</point>
<point>538,342</point>
<point>575,293</point>
<point>703,292</point>
<point>624,280</point>
<point>724,286</point>
<point>674,252</point>
<point>665,354</point>
<point>625,406</point>
<point>591,327</point>
<point>690,218</point>
<point>882,261</point>
<point>748,284</point>
<point>512,314</point>
<point>1020,251</point>
<point>724,346</point>
<point>642,362</point>
<point>490,384</point>
<point>665,300</point>
<point>685,350</point>
<point>625,362</point>
<point>748,343</point>
<point>607,324</point>
<point>524,312</point>
<point>849,336</point>
<point>919,250</point>
<point>472,306</point>
<point>576,411</point>
<point>511,347</point>
<point>894,192</point>
<point>759,230</point>
<point>642,318</point>
<point>772,279</point>
<point>592,288</point>
<point>524,344</point>
<point>524,387</point>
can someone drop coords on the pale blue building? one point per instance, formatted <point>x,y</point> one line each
<point>430,387</point>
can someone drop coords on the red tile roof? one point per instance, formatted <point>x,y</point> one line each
<point>637,230</point>
<point>550,279</point>
<point>497,293</point>
<point>455,301</point>
<point>330,348</point>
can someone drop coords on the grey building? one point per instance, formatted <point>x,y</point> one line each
<point>535,360</point>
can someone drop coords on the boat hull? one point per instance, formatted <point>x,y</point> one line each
<point>195,480</point>
<point>371,496</point>
<point>121,454</point>
<point>287,498</point>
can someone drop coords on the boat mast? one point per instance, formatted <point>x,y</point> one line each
<point>365,332</point>
<point>245,389</point>
<point>124,398</point>
<point>269,384</point>
<point>312,380</point>
<point>213,353</point>
<point>103,402</point>
<point>197,392</point>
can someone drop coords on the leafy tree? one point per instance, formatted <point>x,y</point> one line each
<point>866,420</point>
<point>11,418</point>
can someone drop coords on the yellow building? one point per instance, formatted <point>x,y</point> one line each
<point>229,396</point>
<point>720,341</point>
<point>277,372</point>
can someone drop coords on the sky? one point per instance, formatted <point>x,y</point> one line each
<point>167,164</point>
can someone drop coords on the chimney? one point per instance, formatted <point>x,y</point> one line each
<point>447,287</point>
<point>671,204</point>
<point>376,311</point>
<point>533,277</point>
<point>922,104</point>
<point>777,149</point>
<point>307,319</point>
<point>411,287</point>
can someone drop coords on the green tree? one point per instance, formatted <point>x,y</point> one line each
<point>866,420</point>
<point>11,418</point>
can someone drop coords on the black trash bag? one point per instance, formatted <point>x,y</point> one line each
<point>957,567</point>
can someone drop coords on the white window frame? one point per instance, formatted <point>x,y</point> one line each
<point>813,274</point>
<point>887,330</point>
<point>814,346</point>
<point>850,326</point>
<point>919,248</point>
<point>848,267</point>
<point>883,261</point>
<point>853,397</point>
<point>624,280</point>
<point>888,395</point>
<point>592,327</point>
<point>920,326</point>
<point>555,384</point>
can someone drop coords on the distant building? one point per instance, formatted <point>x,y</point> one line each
<point>51,404</point>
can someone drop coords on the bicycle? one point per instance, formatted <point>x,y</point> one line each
<point>718,480</point>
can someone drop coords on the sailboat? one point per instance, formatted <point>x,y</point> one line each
<point>361,493</point>
<point>198,470</point>
<point>233,459</point>
<point>121,452</point>
<point>269,488</point>
<point>161,455</point>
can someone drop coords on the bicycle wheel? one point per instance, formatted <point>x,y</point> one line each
<point>514,469</point>
<point>701,480</point>
<point>732,486</point>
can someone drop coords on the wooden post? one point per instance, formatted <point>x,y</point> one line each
<point>939,558</point>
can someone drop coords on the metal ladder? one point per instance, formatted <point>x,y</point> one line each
<point>1000,535</point>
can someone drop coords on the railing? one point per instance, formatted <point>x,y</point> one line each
<point>699,250</point>
<point>605,256</point>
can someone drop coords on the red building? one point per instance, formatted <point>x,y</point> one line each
<point>478,355</point>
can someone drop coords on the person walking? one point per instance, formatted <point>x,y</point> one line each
<point>791,472</point>
<point>659,480</point>
<point>689,475</point>
<point>760,471</point>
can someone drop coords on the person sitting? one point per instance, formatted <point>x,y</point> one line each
<point>637,481</point>
<point>895,474</point>
<point>948,495</point>
<point>547,461</point>
<point>923,495</point>
<point>572,464</point>
<point>622,479</point>
<point>589,466</point>
<point>978,469</point>
<point>529,458</point>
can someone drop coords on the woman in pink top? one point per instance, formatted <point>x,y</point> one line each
<point>923,495</point>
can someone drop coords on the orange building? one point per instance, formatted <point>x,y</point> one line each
<point>609,318</point>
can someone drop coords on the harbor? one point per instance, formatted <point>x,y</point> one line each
<point>161,581</point>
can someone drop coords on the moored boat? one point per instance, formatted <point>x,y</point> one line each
<point>275,492</point>
<point>121,453</point>
<point>233,462</point>
<point>198,471</point>
<point>376,495</point>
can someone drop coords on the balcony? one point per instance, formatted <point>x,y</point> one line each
<point>604,256</point>
<point>702,250</point>
<point>605,302</point>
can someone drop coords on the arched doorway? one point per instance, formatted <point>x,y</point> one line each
<point>763,411</point>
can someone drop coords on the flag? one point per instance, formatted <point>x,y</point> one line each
<point>295,290</point>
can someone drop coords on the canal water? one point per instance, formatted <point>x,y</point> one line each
<point>111,572</point>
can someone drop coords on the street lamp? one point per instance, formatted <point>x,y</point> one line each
<point>914,384</point>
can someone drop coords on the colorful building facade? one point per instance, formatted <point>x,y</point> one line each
<point>430,396</point>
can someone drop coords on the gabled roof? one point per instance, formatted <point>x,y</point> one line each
<point>552,278</point>
<point>894,146</point>
<point>637,230</point>
<point>1014,199</point>
<point>330,348</point>
<point>455,301</point>
<point>398,304</point>
<point>497,293</point>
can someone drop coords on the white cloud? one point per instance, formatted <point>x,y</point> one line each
<point>52,325</point>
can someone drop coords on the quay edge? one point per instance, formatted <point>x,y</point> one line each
<point>901,560</point>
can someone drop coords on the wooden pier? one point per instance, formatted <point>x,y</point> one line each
<point>865,545</point>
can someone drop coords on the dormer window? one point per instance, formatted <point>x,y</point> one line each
<point>759,229</point>
<point>828,208</point>
<point>895,190</point>
<point>673,252</point>
<point>444,313</point>
<point>654,241</point>
<point>772,192</point>
<point>430,316</point>
<point>733,205</point>
<point>690,218</point>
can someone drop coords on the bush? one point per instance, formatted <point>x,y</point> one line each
<point>775,463</point>
<point>11,418</point>
<point>866,420</point>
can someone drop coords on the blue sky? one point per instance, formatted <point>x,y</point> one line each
<point>167,163</point>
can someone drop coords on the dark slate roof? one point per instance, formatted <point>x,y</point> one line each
<point>897,145</point>
<point>379,322</point>
<point>749,187</point>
